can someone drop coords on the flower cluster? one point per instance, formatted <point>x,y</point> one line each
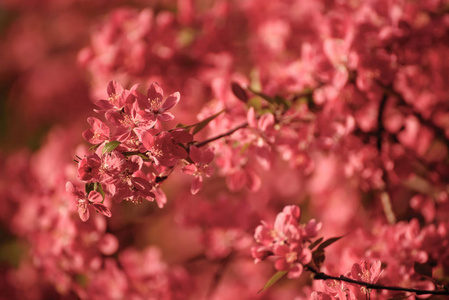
<point>287,240</point>
<point>340,107</point>
<point>133,155</point>
<point>365,271</point>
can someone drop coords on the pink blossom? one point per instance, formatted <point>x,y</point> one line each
<point>292,258</point>
<point>117,97</point>
<point>367,272</point>
<point>99,132</point>
<point>352,125</point>
<point>89,167</point>
<point>285,241</point>
<point>164,148</point>
<point>321,296</point>
<point>200,166</point>
<point>338,289</point>
<point>94,198</point>
<point>128,184</point>
<point>129,121</point>
<point>154,106</point>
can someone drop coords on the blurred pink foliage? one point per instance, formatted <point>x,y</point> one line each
<point>321,119</point>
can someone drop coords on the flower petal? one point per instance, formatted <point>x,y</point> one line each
<point>171,101</point>
<point>161,198</point>
<point>108,245</point>
<point>83,211</point>
<point>147,140</point>
<point>165,117</point>
<point>195,154</point>
<point>189,169</point>
<point>102,209</point>
<point>208,156</point>
<point>95,197</point>
<point>197,184</point>
<point>114,88</point>
<point>71,188</point>
<point>155,91</point>
<point>295,271</point>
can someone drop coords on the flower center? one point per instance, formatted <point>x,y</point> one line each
<point>291,257</point>
<point>155,104</point>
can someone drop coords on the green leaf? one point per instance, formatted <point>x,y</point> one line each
<point>273,280</point>
<point>81,279</point>
<point>142,155</point>
<point>318,257</point>
<point>160,179</point>
<point>329,242</point>
<point>186,36</point>
<point>263,96</point>
<point>94,186</point>
<point>244,147</point>
<point>281,101</point>
<point>423,269</point>
<point>314,244</point>
<point>256,103</point>
<point>180,125</point>
<point>199,126</point>
<point>109,147</point>
<point>94,147</point>
<point>11,252</point>
<point>184,126</point>
<point>239,92</point>
<point>100,190</point>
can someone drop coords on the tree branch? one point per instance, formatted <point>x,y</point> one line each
<point>380,125</point>
<point>229,132</point>
<point>223,263</point>
<point>322,276</point>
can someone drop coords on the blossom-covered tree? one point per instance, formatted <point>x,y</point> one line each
<point>232,150</point>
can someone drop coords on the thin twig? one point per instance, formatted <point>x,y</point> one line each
<point>380,125</point>
<point>219,273</point>
<point>205,142</point>
<point>323,276</point>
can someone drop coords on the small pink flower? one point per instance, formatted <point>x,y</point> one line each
<point>94,198</point>
<point>164,148</point>
<point>260,253</point>
<point>285,230</point>
<point>366,271</point>
<point>311,229</point>
<point>98,133</point>
<point>129,183</point>
<point>89,167</point>
<point>292,258</point>
<point>338,289</point>
<point>287,240</point>
<point>321,296</point>
<point>200,167</point>
<point>154,105</point>
<point>117,97</point>
<point>129,120</point>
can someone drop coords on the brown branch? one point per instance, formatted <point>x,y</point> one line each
<point>380,125</point>
<point>322,276</point>
<point>223,263</point>
<point>227,133</point>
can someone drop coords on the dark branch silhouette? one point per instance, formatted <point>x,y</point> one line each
<point>322,276</point>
